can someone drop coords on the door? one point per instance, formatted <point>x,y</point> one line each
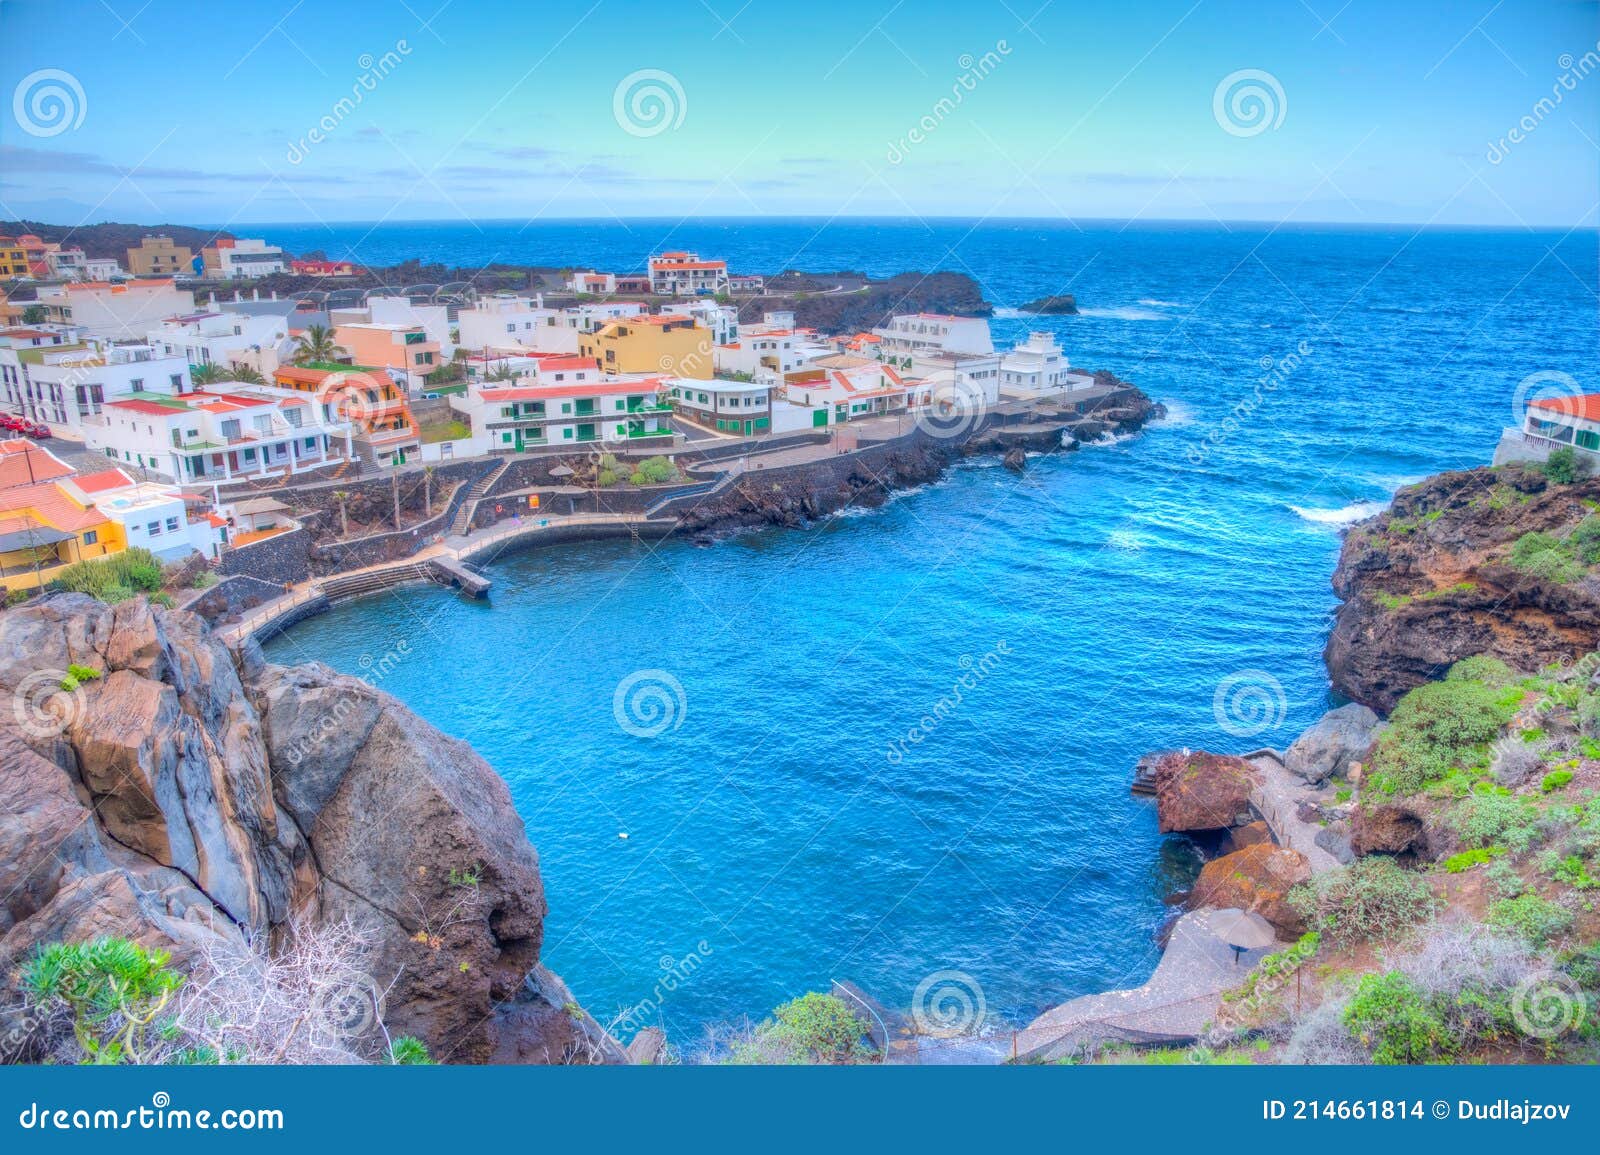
<point>819,418</point>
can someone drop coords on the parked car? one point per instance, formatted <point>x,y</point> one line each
<point>36,431</point>
<point>11,424</point>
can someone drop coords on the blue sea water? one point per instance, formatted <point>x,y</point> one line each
<point>1107,595</point>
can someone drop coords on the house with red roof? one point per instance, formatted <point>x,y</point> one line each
<point>565,401</point>
<point>684,274</point>
<point>1556,422</point>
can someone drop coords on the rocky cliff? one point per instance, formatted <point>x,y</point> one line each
<point>1435,579</point>
<point>156,786</point>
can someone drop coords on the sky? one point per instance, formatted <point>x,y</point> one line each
<point>1451,113</point>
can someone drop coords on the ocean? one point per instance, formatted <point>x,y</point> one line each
<point>823,802</point>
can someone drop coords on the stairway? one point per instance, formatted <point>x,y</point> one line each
<point>339,589</point>
<point>480,489</point>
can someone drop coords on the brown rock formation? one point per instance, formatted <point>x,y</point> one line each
<point>1200,791</point>
<point>178,798</point>
<point>1257,878</point>
<point>1426,583</point>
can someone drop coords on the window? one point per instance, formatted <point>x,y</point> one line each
<point>177,380</point>
<point>566,407</point>
<point>91,537</point>
<point>153,529</point>
<point>172,525</point>
<point>567,433</point>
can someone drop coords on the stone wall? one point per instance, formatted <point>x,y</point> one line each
<point>279,560</point>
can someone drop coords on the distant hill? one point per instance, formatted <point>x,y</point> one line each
<point>113,240</point>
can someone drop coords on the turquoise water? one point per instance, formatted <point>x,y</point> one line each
<point>786,828</point>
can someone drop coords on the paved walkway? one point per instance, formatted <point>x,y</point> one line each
<point>1278,800</point>
<point>1175,1006</point>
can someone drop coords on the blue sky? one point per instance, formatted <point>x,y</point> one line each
<point>1370,111</point>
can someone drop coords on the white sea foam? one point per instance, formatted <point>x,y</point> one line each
<point>1178,414</point>
<point>1124,539</point>
<point>1007,314</point>
<point>1158,303</point>
<point>1345,515</point>
<point>1125,313</point>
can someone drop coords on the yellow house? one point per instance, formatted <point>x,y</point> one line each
<point>43,528</point>
<point>159,257</point>
<point>671,344</point>
<point>13,258</point>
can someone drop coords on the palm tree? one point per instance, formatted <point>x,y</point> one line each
<point>246,375</point>
<point>342,496</point>
<point>394,492</point>
<point>317,344</point>
<point>427,489</point>
<point>209,374</point>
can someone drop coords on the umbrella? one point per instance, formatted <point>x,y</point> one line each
<point>1242,930</point>
<point>561,471</point>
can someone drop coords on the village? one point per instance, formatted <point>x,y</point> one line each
<point>148,411</point>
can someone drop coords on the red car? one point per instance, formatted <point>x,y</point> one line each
<point>11,424</point>
<point>37,432</point>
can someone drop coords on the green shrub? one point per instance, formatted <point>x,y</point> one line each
<point>1535,918</point>
<point>1372,897</point>
<point>1485,668</point>
<point>639,477</point>
<point>1555,780</point>
<point>822,1027</point>
<point>606,478</point>
<point>1389,1015</point>
<point>113,578</point>
<point>1492,815</point>
<point>1573,871</point>
<point>1467,859</point>
<point>1547,557</point>
<point>113,989</point>
<point>1438,727</point>
<point>1562,466</point>
<point>409,1051</point>
<point>659,470</point>
<point>1585,540</point>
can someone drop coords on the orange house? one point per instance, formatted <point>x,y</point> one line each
<point>365,396</point>
<point>403,348</point>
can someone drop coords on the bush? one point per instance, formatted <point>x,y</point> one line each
<point>1536,919</point>
<point>815,1028</point>
<point>658,470</point>
<point>1390,1017</point>
<point>113,578</point>
<point>1485,668</point>
<point>1467,859</point>
<point>1372,897</point>
<point>1562,466</point>
<point>1438,727</point>
<point>113,991</point>
<point>1491,816</point>
<point>1546,557</point>
<point>1555,780</point>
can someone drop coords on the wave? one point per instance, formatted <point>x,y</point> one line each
<point>1346,515</point>
<point>1178,415</point>
<point>1124,539</point>
<point>1158,303</point>
<point>1005,314</point>
<point>1124,313</point>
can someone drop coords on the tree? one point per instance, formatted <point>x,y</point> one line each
<point>246,375</point>
<point>1562,466</point>
<point>34,315</point>
<point>113,990</point>
<point>342,496</point>
<point>427,489</point>
<point>317,344</point>
<point>394,492</point>
<point>209,374</point>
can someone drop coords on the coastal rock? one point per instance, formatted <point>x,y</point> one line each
<point>1199,791</point>
<point>1250,834</point>
<point>181,799</point>
<point>1405,826</point>
<point>1057,304</point>
<point>1340,737</point>
<point>1258,879</point>
<point>1427,583</point>
<point>1016,459</point>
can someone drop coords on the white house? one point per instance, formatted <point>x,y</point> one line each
<point>839,395</point>
<point>721,320</point>
<point>434,319</point>
<point>221,432</point>
<point>68,264</point>
<point>102,269</point>
<point>768,354</point>
<point>122,312</point>
<point>565,402</point>
<point>248,258</point>
<point>65,387</point>
<point>683,274</point>
<point>587,281</point>
<point>971,376</point>
<point>734,407</point>
<point>906,336</point>
<point>502,321</point>
<point>154,517</point>
<point>219,338</point>
<point>1038,366</point>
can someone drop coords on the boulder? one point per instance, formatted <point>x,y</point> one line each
<point>1408,826</point>
<point>1250,834</point>
<point>1257,878</point>
<point>1016,459</point>
<point>183,797</point>
<point>1197,791</point>
<point>1339,738</point>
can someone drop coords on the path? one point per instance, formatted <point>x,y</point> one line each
<point>1277,799</point>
